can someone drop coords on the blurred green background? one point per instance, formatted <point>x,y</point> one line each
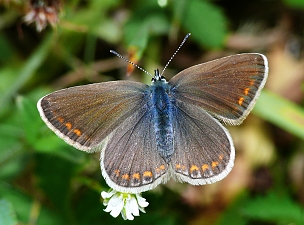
<point>44,181</point>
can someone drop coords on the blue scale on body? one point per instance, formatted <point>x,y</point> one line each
<point>162,114</point>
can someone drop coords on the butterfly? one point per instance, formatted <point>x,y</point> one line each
<point>148,134</point>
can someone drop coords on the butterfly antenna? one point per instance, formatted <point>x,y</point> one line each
<point>185,38</point>
<point>133,64</point>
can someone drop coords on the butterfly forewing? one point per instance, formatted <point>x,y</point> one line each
<point>227,88</point>
<point>131,161</point>
<point>203,152</point>
<point>84,116</point>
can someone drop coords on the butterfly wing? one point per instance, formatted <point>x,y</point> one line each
<point>130,161</point>
<point>203,149</point>
<point>227,88</point>
<point>84,116</point>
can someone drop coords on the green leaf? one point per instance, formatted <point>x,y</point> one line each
<point>27,70</point>
<point>27,209</point>
<point>30,118</point>
<point>52,144</point>
<point>11,158</point>
<point>281,112</point>
<point>206,22</point>
<point>232,215</point>
<point>146,20</point>
<point>12,162</point>
<point>137,36</point>
<point>7,50</point>
<point>54,175</point>
<point>275,207</point>
<point>49,142</point>
<point>7,213</point>
<point>109,31</point>
<point>7,77</point>
<point>295,3</point>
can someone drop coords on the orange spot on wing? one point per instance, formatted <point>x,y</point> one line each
<point>136,176</point>
<point>68,125</point>
<point>241,99</point>
<point>193,167</point>
<point>205,167</point>
<point>160,168</point>
<point>60,119</point>
<point>147,174</point>
<point>252,82</point>
<point>125,176</point>
<point>117,172</point>
<point>179,166</point>
<point>246,91</point>
<point>221,157</point>
<point>214,164</point>
<point>77,132</point>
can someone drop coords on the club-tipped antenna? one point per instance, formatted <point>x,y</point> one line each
<point>133,64</point>
<point>185,38</point>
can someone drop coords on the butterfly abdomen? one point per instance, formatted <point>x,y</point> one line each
<point>161,108</point>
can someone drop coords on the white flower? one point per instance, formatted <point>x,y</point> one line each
<point>125,203</point>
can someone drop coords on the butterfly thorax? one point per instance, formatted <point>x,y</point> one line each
<point>161,108</point>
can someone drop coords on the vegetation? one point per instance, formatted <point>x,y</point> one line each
<point>47,45</point>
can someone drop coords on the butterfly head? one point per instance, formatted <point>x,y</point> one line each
<point>158,77</point>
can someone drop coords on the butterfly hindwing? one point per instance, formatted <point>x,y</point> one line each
<point>203,148</point>
<point>130,161</point>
